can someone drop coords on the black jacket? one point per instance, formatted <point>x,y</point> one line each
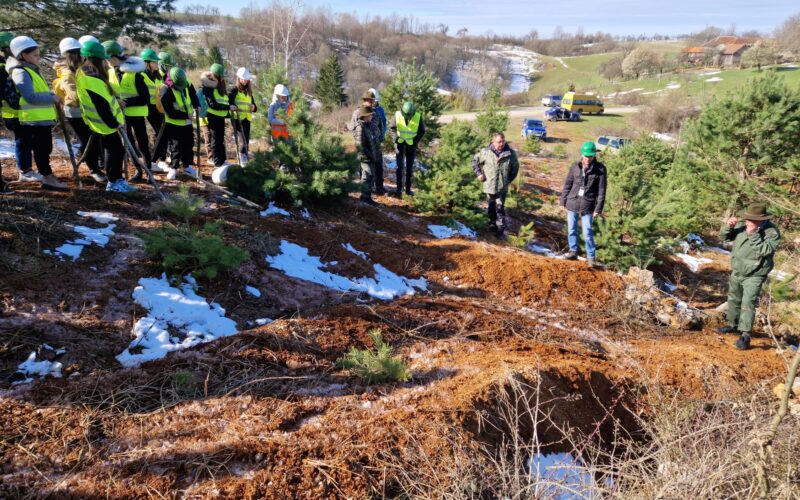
<point>593,184</point>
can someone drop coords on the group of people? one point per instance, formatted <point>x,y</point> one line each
<point>369,127</point>
<point>108,97</point>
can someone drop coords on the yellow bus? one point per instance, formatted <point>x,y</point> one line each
<point>582,103</point>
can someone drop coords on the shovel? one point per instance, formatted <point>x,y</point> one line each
<point>68,142</point>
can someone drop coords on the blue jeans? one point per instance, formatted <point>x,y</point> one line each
<point>588,233</point>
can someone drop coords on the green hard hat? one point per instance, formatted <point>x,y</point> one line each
<point>112,48</point>
<point>217,69</point>
<point>178,77</point>
<point>5,39</point>
<point>588,149</point>
<point>408,108</point>
<point>165,58</point>
<point>93,49</point>
<point>149,55</point>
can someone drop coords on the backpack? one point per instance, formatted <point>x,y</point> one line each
<point>203,104</point>
<point>10,92</point>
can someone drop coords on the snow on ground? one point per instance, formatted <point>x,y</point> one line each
<point>349,248</point>
<point>255,292</point>
<point>780,275</point>
<point>714,79</point>
<point>273,210</point>
<point>296,262</point>
<point>32,368</point>
<point>444,92</point>
<point>99,236</point>
<point>692,261</point>
<point>673,85</point>
<point>441,232</point>
<point>7,149</point>
<point>562,62</point>
<point>662,137</point>
<point>542,250</point>
<point>624,92</point>
<point>177,318</point>
<point>60,145</point>
<point>710,73</point>
<point>560,476</point>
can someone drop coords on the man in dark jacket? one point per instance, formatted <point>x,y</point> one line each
<point>583,196</point>
<point>754,243</point>
<point>407,130</point>
<point>367,149</point>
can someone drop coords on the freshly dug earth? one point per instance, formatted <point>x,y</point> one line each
<point>266,413</point>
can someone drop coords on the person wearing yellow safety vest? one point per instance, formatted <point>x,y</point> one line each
<point>102,112</point>
<point>115,57</point>
<point>153,80</point>
<point>135,97</point>
<point>178,104</point>
<point>215,94</point>
<point>66,87</point>
<point>37,114</point>
<point>241,98</point>
<point>165,62</point>
<point>9,114</point>
<point>407,129</point>
<point>280,108</point>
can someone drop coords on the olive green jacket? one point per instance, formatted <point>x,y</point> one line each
<point>752,254</point>
<point>500,170</point>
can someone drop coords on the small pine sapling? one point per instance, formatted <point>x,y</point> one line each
<point>376,365</point>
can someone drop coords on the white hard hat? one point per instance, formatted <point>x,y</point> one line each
<point>280,89</point>
<point>22,43</point>
<point>244,74</point>
<point>68,44</point>
<point>87,38</point>
<point>376,94</point>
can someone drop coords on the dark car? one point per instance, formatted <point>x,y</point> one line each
<point>561,114</point>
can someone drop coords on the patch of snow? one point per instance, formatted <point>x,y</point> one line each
<point>710,73</point>
<point>667,286</point>
<point>97,236</point>
<point>693,262</point>
<point>561,476</point>
<point>263,321</point>
<point>32,368</point>
<point>255,292</point>
<point>789,65</point>
<point>715,79</point>
<point>349,248</point>
<point>562,62</point>
<point>177,318</point>
<point>444,92</point>
<point>89,235</point>
<point>718,250</point>
<point>69,250</point>
<point>653,92</point>
<point>100,217</point>
<point>662,137</point>
<point>541,250</point>
<point>7,149</point>
<point>296,262</point>
<point>780,275</point>
<point>61,146</point>
<point>673,85</point>
<point>273,210</point>
<point>441,232</point>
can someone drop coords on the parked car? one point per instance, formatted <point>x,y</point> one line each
<point>610,143</point>
<point>531,126</point>
<point>582,103</point>
<point>561,114</point>
<point>551,101</point>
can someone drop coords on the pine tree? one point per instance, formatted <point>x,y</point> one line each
<point>449,186</point>
<point>742,148</point>
<point>416,84</point>
<point>311,167</point>
<point>491,119</point>
<point>48,21</point>
<point>330,84</point>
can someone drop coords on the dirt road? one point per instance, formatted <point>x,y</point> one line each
<point>532,112</point>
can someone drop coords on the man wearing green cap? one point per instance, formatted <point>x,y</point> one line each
<point>583,196</point>
<point>755,240</point>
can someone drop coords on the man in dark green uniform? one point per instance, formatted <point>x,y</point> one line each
<point>754,242</point>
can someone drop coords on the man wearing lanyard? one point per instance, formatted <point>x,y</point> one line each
<point>583,196</point>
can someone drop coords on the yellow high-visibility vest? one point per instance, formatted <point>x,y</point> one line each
<point>113,80</point>
<point>91,117</point>
<point>31,114</point>
<point>9,113</point>
<point>243,102</point>
<point>182,103</point>
<point>127,89</point>
<point>152,86</point>
<point>222,99</point>
<point>407,131</point>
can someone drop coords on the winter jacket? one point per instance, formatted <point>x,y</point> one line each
<point>592,183</point>
<point>22,80</point>
<point>417,138</point>
<point>273,111</point>
<point>379,111</point>
<point>64,86</point>
<point>368,149</point>
<point>142,97</point>
<point>167,99</point>
<point>752,254</point>
<point>375,127</point>
<point>500,168</point>
<point>99,102</point>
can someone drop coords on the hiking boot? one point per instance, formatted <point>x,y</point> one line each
<point>570,256</point>
<point>137,178</point>
<point>50,182</point>
<point>591,263</point>
<point>409,192</point>
<point>120,186</point>
<point>172,174</point>
<point>380,191</point>
<point>726,329</point>
<point>743,342</point>
<point>30,176</point>
<point>369,201</point>
<point>98,177</point>
<point>398,195</point>
<point>189,170</point>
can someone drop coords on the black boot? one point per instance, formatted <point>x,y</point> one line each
<point>743,343</point>
<point>367,199</point>
<point>726,329</point>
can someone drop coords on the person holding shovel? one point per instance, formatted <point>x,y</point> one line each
<point>179,105</point>
<point>241,98</point>
<point>755,239</point>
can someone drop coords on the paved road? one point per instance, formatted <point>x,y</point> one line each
<point>530,112</point>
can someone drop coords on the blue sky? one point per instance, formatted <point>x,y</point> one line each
<point>619,17</point>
